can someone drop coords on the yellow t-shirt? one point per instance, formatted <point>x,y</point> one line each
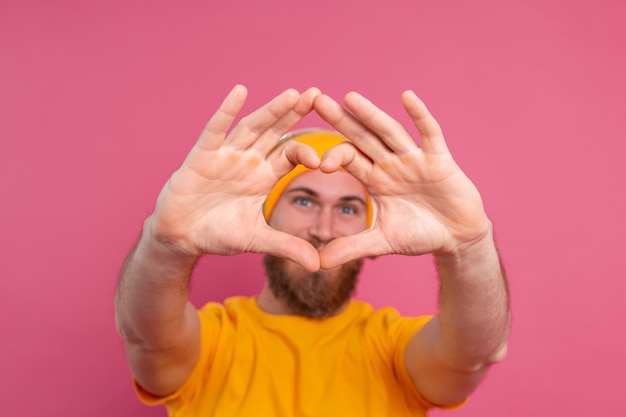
<point>258,364</point>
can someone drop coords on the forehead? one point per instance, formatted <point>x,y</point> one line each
<point>336,185</point>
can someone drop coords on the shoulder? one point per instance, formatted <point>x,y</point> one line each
<point>386,326</point>
<point>388,318</point>
<point>232,306</point>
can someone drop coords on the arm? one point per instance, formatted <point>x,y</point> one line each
<point>424,203</point>
<point>450,356</point>
<point>211,204</point>
<point>160,328</point>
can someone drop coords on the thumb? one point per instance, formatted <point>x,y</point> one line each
<point>349,248</point>
<point>295,249</point>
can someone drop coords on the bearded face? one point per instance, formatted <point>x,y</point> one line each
<point>316,207</point>
<point>316,295</point>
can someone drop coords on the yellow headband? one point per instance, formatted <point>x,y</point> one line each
<point>321,141</point>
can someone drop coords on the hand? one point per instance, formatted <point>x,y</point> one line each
<point>213,203</point>
<point>422,200</point>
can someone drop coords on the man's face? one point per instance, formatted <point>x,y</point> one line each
<point>317,207</point>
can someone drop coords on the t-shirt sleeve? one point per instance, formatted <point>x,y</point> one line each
<point>210,326</point>
<point>402,330</point>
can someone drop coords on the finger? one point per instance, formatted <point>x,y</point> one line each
<point>350,127</point>
<point>302,108</point>
<point>283,125</point>
<point>393,134</point>
<point>349,248</point>
<point>216,128</point>
<point>251,127</point>
<point>284,245</point>
<point>291,153</point>
<point>347,156</point>
<point>428,128</point>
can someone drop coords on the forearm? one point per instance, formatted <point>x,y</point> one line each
<point>474,305</point>
<point>151,302</point>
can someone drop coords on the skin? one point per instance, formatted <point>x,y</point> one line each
<point>423,203</point>
<point>319,208</point>
<point>211,204</point>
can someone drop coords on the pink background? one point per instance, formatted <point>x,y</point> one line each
<point>100,102</point>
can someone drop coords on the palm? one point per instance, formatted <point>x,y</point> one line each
<point>211,187</point>
<point>423,201</point>
<point>443,205</point>
<point>213,203</point>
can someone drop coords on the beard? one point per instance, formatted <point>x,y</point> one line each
<point>313,295</point>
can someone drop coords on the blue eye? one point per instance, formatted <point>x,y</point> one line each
<point>348,210</point>
<point>305,202</point>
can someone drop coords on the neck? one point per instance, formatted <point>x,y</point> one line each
<point>268,302</point>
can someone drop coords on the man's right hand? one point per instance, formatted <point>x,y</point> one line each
<point>213,202</point>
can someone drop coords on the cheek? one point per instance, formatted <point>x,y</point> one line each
<point>352,226</point>
<point>288,220</point>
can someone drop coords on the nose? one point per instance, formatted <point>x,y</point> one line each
<point>323,227</point>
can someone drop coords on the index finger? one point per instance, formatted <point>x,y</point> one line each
<point>273,134</point>
<point>351,127</point>
<point>386,127</point>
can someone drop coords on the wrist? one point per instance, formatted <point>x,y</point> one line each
<point>164,248</point>
<point>477,249</point>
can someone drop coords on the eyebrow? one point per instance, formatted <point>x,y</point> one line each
<point>308,191</point>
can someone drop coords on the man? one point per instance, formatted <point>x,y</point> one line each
<point>301,347</point>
